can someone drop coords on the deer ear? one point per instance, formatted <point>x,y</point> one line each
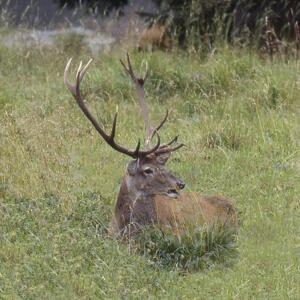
<point>132,167</point>
<point>163,158</point>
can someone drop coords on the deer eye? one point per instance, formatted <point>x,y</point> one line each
<point>148,171</point>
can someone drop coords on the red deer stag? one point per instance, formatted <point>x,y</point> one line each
<point>149,193</point>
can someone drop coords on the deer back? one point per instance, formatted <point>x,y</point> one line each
<point>193,209</point>
<point>189,210</point>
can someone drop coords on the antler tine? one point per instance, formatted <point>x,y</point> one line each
<point>79,70</point>
<point>163,121</point>
<point>129,69</point>
<point>68,84</point>
<point>167,149</point>
<point>149,138</point>
<point>79,74</point>
<point>75,91</point>
<point>177,147</point>
<point>152,150</point>
<point>131,73</point>
<point>114,126</point>
<point>84,69</point>
<point>174,140</point>
<point>139,86</point>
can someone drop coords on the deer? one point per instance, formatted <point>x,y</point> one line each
<point>155,37</point>
<point>150,194</point>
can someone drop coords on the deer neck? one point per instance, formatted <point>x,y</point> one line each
<point>128,194</point>
<point>125,201</point>
<point>133,206</point>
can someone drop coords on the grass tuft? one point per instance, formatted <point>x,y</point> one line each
<point>193,251</point>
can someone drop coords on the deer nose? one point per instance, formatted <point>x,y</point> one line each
<point>180,184</point>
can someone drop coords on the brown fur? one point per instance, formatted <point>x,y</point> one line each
<point>144,200</point>
<point>155,37</point>
<point>192,209</point>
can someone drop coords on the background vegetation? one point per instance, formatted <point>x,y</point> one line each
<point>237,113</point>
<point>201,22</point>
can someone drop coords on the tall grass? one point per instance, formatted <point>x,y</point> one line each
<point>238,116</point>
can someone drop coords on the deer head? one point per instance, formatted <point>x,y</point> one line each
<point>146,173</point>
<point>148,176</point>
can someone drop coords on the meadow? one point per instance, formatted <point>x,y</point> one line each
<point>236,111</point>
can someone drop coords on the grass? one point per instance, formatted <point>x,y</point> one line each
<point>239,117</point>
<point>196,249</point>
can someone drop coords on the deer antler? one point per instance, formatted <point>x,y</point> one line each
<point>139,86</point>
<point>150,131</point>
<point>165,148</point>
<point>109,138</point>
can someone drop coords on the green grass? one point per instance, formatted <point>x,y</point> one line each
<point>196,249</point>
<point>238,116</point>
